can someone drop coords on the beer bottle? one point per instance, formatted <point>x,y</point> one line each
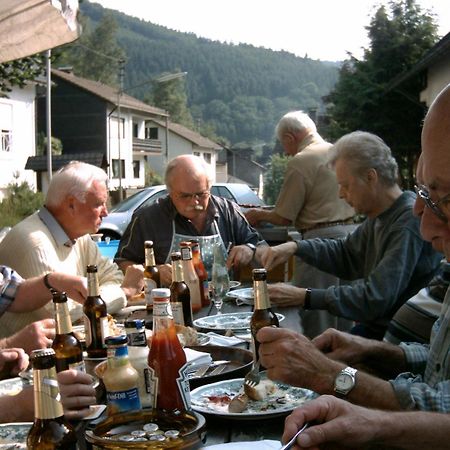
<point>95,317</point>
<point>120,377</point>
<point>138,356</point>
<point>180,296</point>
<point>68,349</point>
<point>190,276</point>
<point>152,277</point>
<point>167,359</point>
<point>201,272</point>
<point>50,430</point>
<point>262,316</point>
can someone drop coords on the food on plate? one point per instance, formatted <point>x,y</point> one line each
<point>238,403</point>
<point>187,335</point>
<point>261,391</point>
<point>114,329</point>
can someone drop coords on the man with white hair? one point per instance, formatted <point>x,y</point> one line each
<point>56,238</point>
<point>309,200</point>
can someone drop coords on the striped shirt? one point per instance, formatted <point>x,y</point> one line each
<point>9,282</point>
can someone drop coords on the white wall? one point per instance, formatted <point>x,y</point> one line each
<point>437,78</point>
<point>18,113</point>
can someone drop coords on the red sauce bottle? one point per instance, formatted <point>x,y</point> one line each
<point>201,272</point>
<point>166,359</point>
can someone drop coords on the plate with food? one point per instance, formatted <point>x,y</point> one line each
<point>115,329</point>
<point>229,321</point>
<point>268,399</point>
<point>14,435</point>
<point>13,386</point>
<point>243,296</point>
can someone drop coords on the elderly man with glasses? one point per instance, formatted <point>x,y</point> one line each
<point>188,212</point>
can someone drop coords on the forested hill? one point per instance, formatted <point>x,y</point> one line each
<point>241,90</point>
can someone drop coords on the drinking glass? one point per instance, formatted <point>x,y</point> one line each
<point>220,285</point>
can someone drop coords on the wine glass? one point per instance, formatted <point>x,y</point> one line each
<point>220,285</point>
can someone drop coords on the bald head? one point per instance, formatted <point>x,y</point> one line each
<point>187,167</point>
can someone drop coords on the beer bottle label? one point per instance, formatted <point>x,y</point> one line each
<point>183,386</point>
<point>87,330</point>
<point>152,383</point>
<point>177,312</point>
<point>150,284</point>
<point>121,401</point>
<point>104,327</point>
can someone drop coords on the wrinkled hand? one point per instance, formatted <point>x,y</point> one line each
<point>34,336</point>
<point>133,281</point>
<point>344,347</point>
<point>271,257</point>
<point>12,361</point>
<point>253,217</point>
<point>344,424</point>
<point>282,294</point>
<point>240,255</point>
<point>291,358</point>
<point>77,393</point>
<point>165,274</point>
<point>74,286</point>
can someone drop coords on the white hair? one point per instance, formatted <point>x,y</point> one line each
<point>75,179</point>
<point>293,122</point>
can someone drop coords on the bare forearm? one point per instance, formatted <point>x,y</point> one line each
<point>30,295</point>
<point>272,217</point>
<point>385,359</point>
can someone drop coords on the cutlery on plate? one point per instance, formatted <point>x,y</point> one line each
<point>292,441</point>
<point>253,378</point>
<point>218,370</point>
<point>201,371</point>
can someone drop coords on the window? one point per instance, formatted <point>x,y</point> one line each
<point>135,130</point>
<point>114,131</point>
<point>115,168</point>
<point>6,141</point>
<point>151,133</point>
<point>196,154</point>
<point>136,168</point>
<point>207,157</point>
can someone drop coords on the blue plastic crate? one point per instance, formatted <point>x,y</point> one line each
<point>108,249</point>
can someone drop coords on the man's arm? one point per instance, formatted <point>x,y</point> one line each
<point>257,215</point>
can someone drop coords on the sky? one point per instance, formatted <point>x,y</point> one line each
<point>320,29</point>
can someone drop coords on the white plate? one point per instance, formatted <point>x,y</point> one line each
<point>229,321</point>
<point>242,296</point>
<point>14,435</point>
<point>12,386</point>
<point>281,402</point>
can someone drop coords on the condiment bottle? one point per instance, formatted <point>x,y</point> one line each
<point>50,430</point>
<point>262,316</point>
<point>152,277</point>
<point>167,359</point>
<point>138,356</point>
<point>95,317</point>
<point>190,276</point>
<point>120,377</point>
<point>67,347</point>
<point>201,272</point>
<point>180,296</point>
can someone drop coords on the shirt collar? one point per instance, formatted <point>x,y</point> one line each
<point>312,138</point>
<point>56,230</point>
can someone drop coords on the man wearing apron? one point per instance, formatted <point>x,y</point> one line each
<point>188,212</point>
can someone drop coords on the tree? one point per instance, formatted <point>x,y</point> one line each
<point>274,178</point>
<point>362,98</point>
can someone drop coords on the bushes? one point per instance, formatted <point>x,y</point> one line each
<point>20,203</point>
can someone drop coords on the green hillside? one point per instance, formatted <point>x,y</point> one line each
<point>240,90</point>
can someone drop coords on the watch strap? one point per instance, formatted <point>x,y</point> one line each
<point>351,372</point>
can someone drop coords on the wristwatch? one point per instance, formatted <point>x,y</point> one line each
<point>252,247</point>
<point>345,382</point>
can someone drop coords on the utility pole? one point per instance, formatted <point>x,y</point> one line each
<point>48,110</point>
<point>119,124</point>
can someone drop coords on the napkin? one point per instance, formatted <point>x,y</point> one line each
<point>248,445</point>
<point>224,341</point>
<point>196,358</point>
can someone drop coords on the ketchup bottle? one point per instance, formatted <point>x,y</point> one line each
<point>166,359</point>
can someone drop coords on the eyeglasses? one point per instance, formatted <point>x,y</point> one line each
<point>196,195</point>
<point>424,194</point>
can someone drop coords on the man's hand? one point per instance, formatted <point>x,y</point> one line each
<point>74,286</point>
<point>253,216</point>
<point>133,281</point>
<point>240,255</point>
<point>291,358</point>
<point>12,361</point>
<point>165,274</point>
<point>77,393</point>
<point>282,294</point>
<point>34,336</point>
<point>271,257</point>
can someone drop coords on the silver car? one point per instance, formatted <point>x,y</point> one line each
<point>114,225</point>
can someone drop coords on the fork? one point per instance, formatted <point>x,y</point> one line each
<point>253,378</point>
<point>293,440</point>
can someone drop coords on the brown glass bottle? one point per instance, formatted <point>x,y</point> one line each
<point>201,272</point>
<point>68,349</point>
<point>152,278</point>
<point>180,296</point>
<point>95,317</point>
<point>190,276</point>
<point>262,316</point>
<point>50,430</point>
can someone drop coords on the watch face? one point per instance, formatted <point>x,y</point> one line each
<point>344,382</point>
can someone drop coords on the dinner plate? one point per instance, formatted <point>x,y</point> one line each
<point>214,399</point>
<point>14,435</point>
<point>12,386</point>
<point>234,284</point>
<point>242,296</point>
<point>229,321</point>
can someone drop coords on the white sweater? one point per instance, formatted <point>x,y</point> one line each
<point>30,249</point>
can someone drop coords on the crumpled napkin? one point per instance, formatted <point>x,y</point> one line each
<point>248,445</point>
<point>224,341</point>
<point>196,359</point>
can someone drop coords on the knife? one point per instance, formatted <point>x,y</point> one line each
<point>201,371</point>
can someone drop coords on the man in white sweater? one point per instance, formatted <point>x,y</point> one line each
<point>56,238</point>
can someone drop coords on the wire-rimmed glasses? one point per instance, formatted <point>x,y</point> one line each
<point>424,194</point>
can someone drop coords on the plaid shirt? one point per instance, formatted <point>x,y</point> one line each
<point>9,282</point>
<point>427,386</point>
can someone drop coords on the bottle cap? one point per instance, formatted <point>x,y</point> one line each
<point>148,244</point>
<point>135,323</point>
<point>42,352</point>
<point>160,293</point>
<point>116,340</point>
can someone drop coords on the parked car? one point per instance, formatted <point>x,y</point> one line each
<point>114,225</point>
